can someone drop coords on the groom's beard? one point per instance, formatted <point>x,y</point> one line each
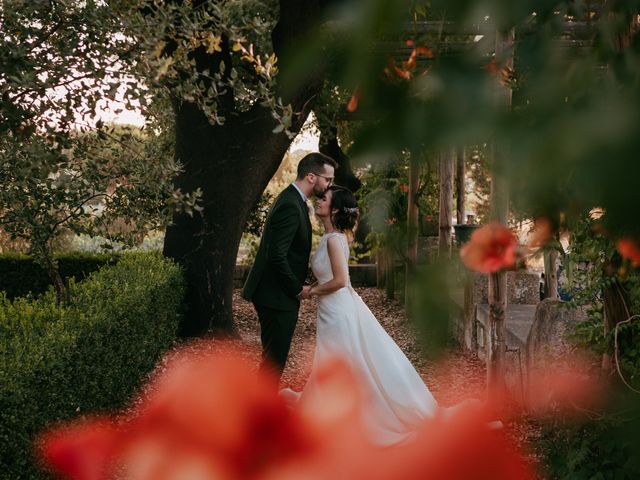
<point>319,191</point>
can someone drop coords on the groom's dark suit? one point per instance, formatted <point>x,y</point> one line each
<point>278,274</point>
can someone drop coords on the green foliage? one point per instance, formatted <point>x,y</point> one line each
<point>59,61</point>
<point>384,195</point>
<point>604,448</point>
<point>258,215</point>
<point>62,361</point>
<point>590,270</point>
<point>21,274</point>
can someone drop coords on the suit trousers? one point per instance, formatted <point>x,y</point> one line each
<point>276,332</point>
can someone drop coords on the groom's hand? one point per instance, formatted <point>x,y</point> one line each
<point>304,294</point>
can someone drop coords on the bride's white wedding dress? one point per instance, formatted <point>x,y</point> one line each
<point>398,399</point>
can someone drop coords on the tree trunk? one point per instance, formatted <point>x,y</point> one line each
<point>232,165</point>
<point>460,186</point>
<point>390,282</point>
<point>446,169</point>
<point>551,274</point>
<point>468,311</point>
<point>412,227</point>
<point>329,146</point>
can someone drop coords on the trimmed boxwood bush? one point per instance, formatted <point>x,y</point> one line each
<point>20,274</point>
<point>58,362</point>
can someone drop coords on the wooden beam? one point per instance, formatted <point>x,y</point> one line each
<point>446,169</point>
<point>499,210</point>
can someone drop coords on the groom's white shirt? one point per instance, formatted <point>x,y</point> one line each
<point>304,198</point>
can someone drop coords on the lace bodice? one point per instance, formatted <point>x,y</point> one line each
<point>321,264</point>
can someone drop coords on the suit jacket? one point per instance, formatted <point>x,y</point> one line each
<point>282,261</point>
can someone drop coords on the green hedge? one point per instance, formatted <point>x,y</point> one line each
<point>58,362</point>
<point>20,275</point>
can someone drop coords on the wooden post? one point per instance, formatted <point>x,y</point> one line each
<point>390,269</point>
<point>468,311</point>
<point>460,186</point>
<point>446,168</point>
<point>551,274</point>
<point>380,268</point>
<point>499,210</point>
<point>412,226</point>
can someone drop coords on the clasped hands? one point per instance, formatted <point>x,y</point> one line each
<point>306,291</point>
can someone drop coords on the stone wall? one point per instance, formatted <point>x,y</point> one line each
<point>548,335</point>
<point>522,287</point>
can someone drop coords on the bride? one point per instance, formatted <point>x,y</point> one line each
<point>397,396</point>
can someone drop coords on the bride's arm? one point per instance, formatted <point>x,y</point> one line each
<point>339,267</point>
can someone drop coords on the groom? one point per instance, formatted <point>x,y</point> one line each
<point>275,284</point>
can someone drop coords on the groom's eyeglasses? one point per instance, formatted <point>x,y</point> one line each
<point>328,179</point>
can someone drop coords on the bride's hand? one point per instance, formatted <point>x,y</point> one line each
<point>305,293</point>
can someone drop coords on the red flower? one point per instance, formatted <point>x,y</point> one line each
<point>352,106</point>
<point>207,416</point>
<point>491,248</point>
<point>629,248</point>
<point>404,188</point>
<point>426,51</point>
<point>81,450</point>
<point>455,445</point>
<point>492,67</point>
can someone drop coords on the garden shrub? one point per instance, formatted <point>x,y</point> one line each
<point>58,362</point>
<point>21,275</point>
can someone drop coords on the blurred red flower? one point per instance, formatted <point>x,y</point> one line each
<point>630,249</point>
<point>460,445</point>
<point>404,188</point>
<point>82,449</point>
<point>491,248</point>
<point>352,106</point>
<point>208,416</point>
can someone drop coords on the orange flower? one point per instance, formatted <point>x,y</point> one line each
<point>352,106</point>
<point>402,73</point>
<point>207,416</point>
<point>491,248</point>
<point>426,51</point>
<point>456,445</point>
<point>629,248</point>
<point>81,450</point>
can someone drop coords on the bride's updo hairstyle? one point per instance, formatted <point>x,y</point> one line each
<point>346,217</point>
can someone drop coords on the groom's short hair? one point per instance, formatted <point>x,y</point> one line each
<point>314,163</point>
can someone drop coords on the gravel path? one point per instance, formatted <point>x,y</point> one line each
<point>456,377</point>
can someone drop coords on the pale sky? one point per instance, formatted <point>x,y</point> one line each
<point>307,139</point>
